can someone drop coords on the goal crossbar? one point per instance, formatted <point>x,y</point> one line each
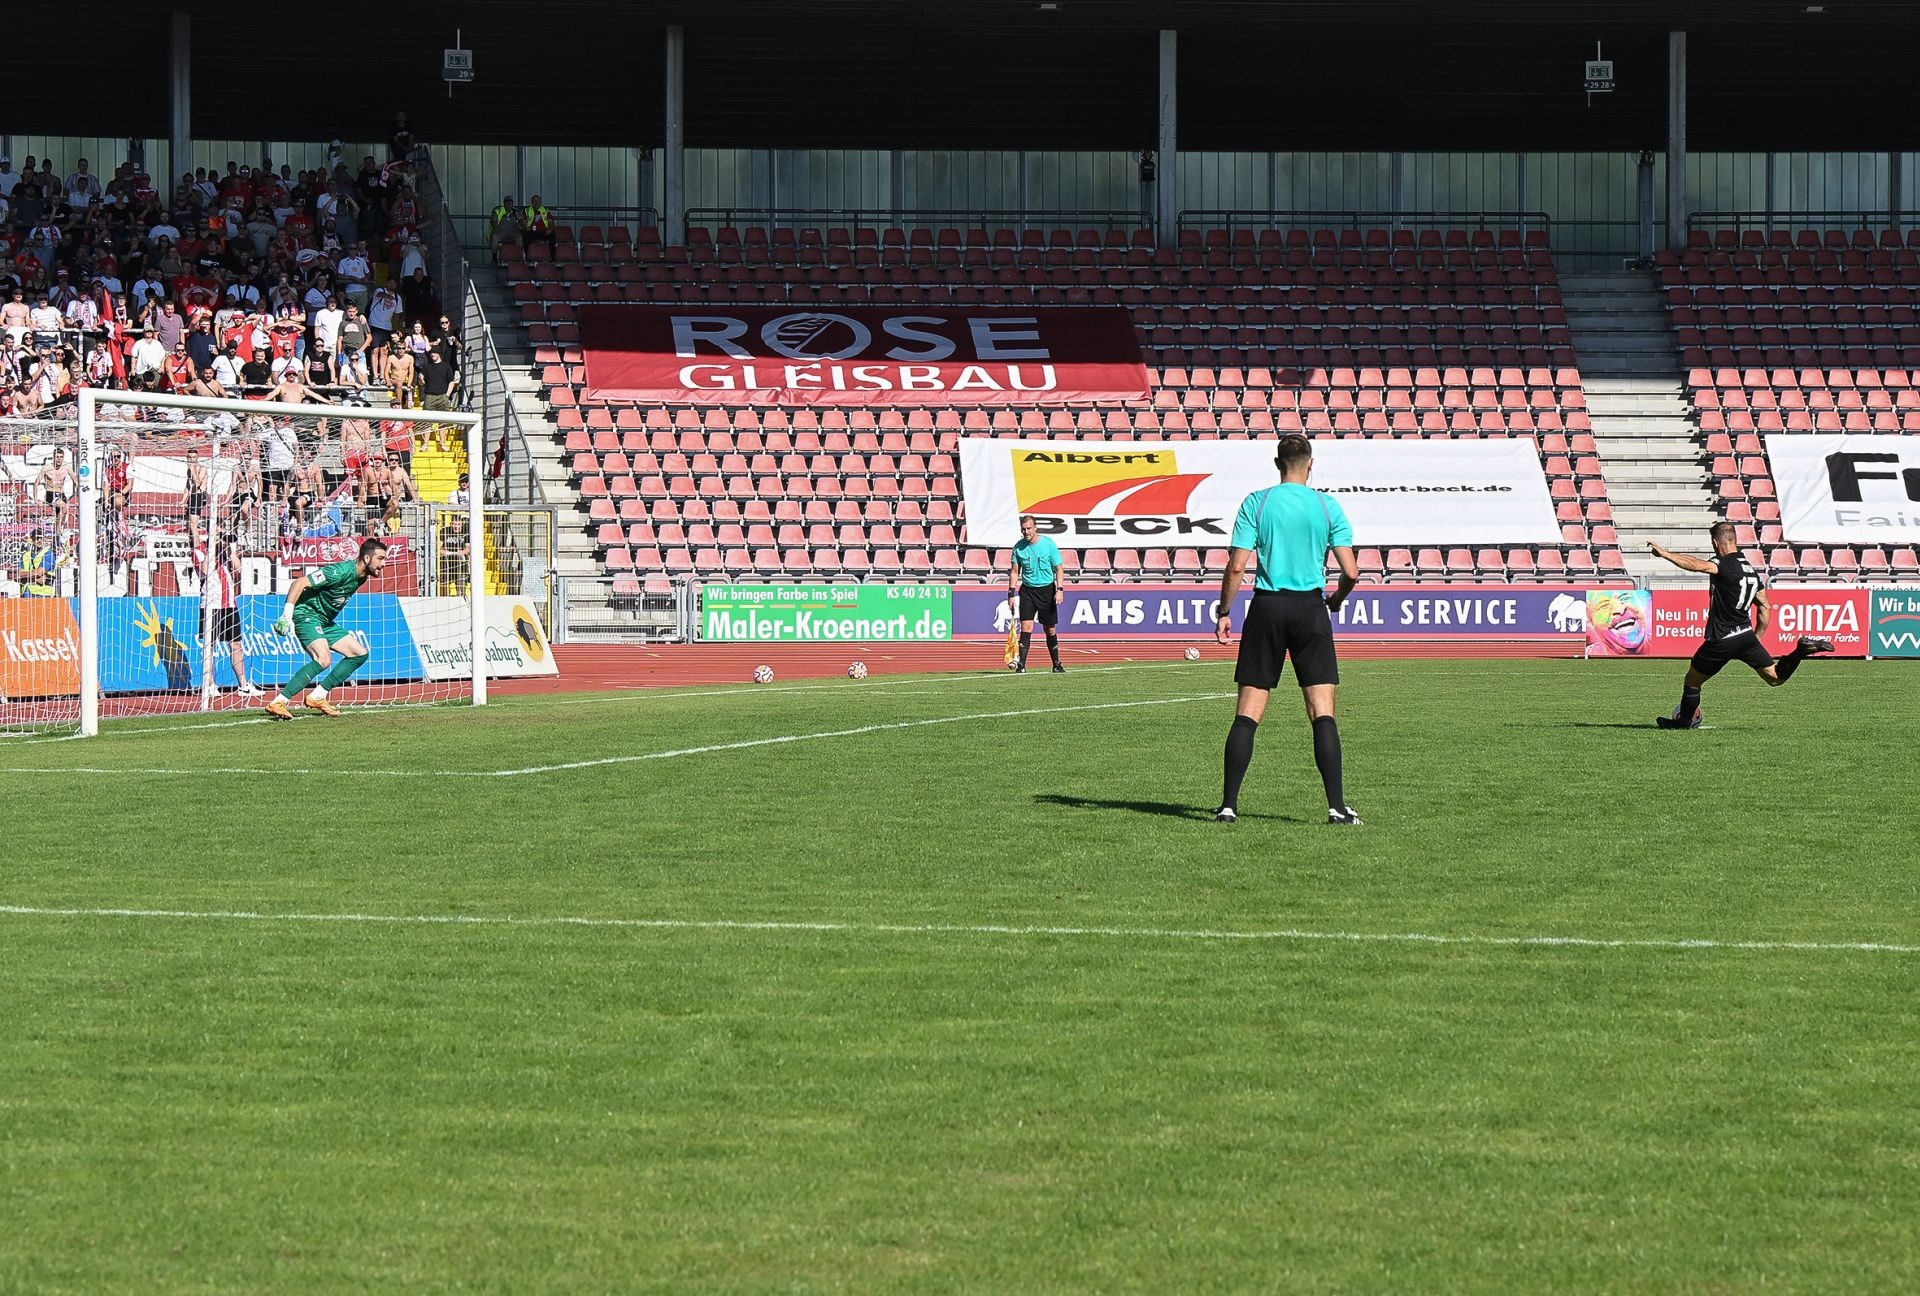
<point>91,483</point>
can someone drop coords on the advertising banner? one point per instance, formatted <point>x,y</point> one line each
<point>826,613</point>
<point>1673,623</point>
<point>1847,489</point>
<point>318,551</point>
<point>515,643</point>
<point>153,644</point>
<point>1547,612</point>
<point>1895,629</point>
<point>1185,495</point>
<point>932,355</point>
<point>39,648</point>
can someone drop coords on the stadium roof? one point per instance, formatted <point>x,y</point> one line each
<point>1067,74</point>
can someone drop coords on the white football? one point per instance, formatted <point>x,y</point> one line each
<point>1193,654</point>
<point>857,671</point>
<point>763,674</point>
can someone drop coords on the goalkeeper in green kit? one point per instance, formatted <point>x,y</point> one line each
<point>314,601</point>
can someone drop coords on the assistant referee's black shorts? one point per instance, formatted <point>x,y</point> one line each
<point>1710,656</point>
<point>1287,622</point>
<point>1042,603</point>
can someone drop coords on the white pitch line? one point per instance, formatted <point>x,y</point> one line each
<point>675,753</point>
<point>1273,935</point>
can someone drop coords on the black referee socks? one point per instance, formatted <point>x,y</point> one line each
<point>1026,643</point>
<point>1239,756</point>
<point>1053,645</point>
<point>1326,755</point>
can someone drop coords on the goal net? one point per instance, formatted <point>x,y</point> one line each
<point>153,540</point>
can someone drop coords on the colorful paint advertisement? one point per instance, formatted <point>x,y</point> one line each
<point>1619,622</point>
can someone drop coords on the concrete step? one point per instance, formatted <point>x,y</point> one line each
<point>1572,281</point>
<point>1641,365</point>
<point>1646,449</point>
<point>1635,342</point>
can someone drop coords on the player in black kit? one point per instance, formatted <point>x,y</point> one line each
<point>1737,590</point>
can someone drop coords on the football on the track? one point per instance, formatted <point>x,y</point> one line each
<point>1193,654</point>
<point>857,671</point>
<point>763,674</point>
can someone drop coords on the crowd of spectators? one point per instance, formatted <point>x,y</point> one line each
<point>260,283</point>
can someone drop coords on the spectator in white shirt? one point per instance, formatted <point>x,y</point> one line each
<point>8,179</point>
<point>152,288</point>
<point>83,312</point>
<point>166,229</point>
<point>149,358</point>
<point>355,275</point>
<point>326,324</point>
<point>83,187</point>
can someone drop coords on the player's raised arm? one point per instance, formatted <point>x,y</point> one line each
<point>1686,562</point>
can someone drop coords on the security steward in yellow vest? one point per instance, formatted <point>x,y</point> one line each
<point>505,227</point>
<point>37,566</point>
<point>537,226</point>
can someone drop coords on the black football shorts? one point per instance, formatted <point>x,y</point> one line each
<point>1287,623</point>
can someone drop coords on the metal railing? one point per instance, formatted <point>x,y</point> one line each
<point>475,229</point>
<point>1849,219</point>
<point>1524,222</point>
<point>591,607</point>
<point>916,218</point>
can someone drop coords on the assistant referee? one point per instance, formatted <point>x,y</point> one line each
<point>1290,527</point>
<point>1033,578</point>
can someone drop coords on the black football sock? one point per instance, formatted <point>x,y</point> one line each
<point>1689,704</point>
<point>1326,754</point>
<point>1026,642</point>
<point>1239,756</point>
<point>1053,647</point>
<point>1784,667</point>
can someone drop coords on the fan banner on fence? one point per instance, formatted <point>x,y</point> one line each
<point>1673,623</point>
<point>443,631</point>
<point>864,355</point>
<point>1847,489</point>
<point>826,613</point>
<point>1185,494</point>
<point>1554,613</point>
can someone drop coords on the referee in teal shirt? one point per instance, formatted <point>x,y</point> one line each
<point>1290,527</point>
<point>1033,578</point>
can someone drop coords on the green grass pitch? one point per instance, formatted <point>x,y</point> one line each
<point>982,1005</point>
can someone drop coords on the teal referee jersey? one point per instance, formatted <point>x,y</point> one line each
<point>1038,560</point>
<point>1290,527</point>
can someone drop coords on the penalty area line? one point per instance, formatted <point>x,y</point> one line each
<point>743,744</point>
<point>1197,934</point>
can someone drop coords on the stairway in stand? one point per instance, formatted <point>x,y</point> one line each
<point>1643,422</point>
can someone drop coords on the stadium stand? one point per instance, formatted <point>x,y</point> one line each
<point>1795,332</point>
<point>1378,334</point>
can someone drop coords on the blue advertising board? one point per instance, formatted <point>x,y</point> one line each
<point>1384,611</point>
<point>152,645</point>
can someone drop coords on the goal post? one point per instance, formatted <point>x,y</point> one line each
<point>190,516</point>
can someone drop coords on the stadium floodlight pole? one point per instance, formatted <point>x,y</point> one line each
<point>87,567</point>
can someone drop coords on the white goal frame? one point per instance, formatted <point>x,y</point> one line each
<point>88,472</point>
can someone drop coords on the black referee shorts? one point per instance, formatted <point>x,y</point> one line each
<point>1287,622</point>
<point>1716,653</point>
<point>1041,602</point>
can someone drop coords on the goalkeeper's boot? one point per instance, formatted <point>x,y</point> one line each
<point>324,707</point>
<point>277,710</point>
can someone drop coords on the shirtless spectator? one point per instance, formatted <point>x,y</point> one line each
<point>356,444</point>
<point>400,374</point>
<point>16,317</point>
<point>381,486</point>
<point>54,485</point>
<point>307,487</point>
<point>193,499</point>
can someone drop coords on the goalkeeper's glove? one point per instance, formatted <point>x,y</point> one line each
<point>284,626</point>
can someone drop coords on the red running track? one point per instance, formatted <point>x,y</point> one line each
<point>599,667</point>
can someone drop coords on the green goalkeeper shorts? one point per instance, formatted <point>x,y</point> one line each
<point>308,628</point>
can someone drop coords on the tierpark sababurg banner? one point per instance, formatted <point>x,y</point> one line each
<point>1185,494</point>
<point>152,645</point>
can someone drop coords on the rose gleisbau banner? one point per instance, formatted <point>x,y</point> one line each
<point>736,355</point>
<point>1184,494</point>
<point>826,613</point>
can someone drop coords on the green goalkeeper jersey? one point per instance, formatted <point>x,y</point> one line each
<point>329,588</point>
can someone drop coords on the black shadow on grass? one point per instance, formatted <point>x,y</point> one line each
<point>1594,724</point>
<point>1166,809</point>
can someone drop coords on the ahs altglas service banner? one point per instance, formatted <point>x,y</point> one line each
<point>1847,489</point>
<point>739,355</point>
<point>1184,494</point>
